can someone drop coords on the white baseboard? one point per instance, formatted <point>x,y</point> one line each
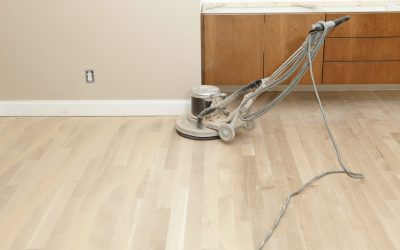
<point>94,107</point>
<point>142,107</point>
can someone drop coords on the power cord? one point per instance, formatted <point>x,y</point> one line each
<point>344,170</point>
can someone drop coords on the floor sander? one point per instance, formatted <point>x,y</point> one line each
<point>212,117</point>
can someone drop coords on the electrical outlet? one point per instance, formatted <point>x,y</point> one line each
<point>89,76</point>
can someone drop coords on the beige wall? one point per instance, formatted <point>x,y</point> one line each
<point>139,49</point>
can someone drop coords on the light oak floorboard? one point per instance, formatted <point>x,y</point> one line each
<point>133,183</point>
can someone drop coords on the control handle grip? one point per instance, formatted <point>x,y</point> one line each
<point>341,20</point>
<point>329,24</point>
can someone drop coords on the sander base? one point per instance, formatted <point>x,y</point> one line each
<point>189,129</point>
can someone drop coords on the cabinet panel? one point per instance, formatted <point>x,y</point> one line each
<point>383,72</point>
<point>362,49</point>
<point>232,48</point>
<point>284,33</point>
<point>367,25</point>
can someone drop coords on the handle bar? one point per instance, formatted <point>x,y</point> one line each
<point>341,20</point>
<point>334,23</point>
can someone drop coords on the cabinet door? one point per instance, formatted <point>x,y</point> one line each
<point>284,33</point>
<point>232,49</point>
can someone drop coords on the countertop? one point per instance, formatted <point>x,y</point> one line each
<point>237,7</point>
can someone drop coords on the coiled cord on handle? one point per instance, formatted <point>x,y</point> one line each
<point>344,170</point>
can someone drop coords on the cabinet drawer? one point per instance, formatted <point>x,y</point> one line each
<point>362,49</point>
<point>367,25</point>
<point>385,72</point>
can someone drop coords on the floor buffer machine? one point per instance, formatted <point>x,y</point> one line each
<point>212,118</point>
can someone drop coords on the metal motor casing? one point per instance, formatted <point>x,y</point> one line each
<point>202,97</point>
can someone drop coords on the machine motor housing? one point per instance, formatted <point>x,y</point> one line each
<point>202,97</point>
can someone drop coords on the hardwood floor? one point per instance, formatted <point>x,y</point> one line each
<point>133,183</point>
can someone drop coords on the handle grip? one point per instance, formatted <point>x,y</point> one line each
<point>341,20</point>
<point>329,24</point>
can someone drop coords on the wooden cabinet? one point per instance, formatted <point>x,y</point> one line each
<point>240,48</point>
<point>232,49</point>
<point>284,34</point>
<point>365,50</point>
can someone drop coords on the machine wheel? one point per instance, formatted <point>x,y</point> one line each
<point>249,125</point>
<point>226,133</point>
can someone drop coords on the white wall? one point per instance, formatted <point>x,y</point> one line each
<point>139,49</point>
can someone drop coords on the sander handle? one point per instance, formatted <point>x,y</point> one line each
<point>341,20</point>
<point>331,24</point>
